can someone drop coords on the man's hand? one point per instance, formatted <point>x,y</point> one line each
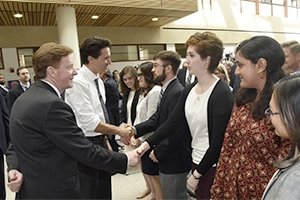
<point>126,131</point>
<point>133,158</point>
<point>152,157</point>
<point>15,180</point>
<point>143,148</point>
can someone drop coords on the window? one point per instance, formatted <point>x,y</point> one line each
<point>25,56</point>
<point>1,60</point>
<point>277,8</point>
<point>135,52</point>
<point>124,52</point>
<point>180,48</point>
<point>147,52</point>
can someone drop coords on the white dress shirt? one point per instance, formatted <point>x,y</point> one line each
<point>84,100</point>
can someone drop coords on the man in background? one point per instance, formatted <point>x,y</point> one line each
<point>184,77</point>
<point>24,84</point>
<point>3,89</point>
<point>291,50</point>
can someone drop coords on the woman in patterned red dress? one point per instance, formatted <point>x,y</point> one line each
<point>250,145</point>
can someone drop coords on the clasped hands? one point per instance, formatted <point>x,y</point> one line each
<point>126,132</point>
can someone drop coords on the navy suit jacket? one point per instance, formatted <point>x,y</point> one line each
<point>174,152</point>
<point>49,144</point>
<point>12,95</point>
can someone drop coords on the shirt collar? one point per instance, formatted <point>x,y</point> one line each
<point>55,88</point>
<point>88,73</point>
<point>167,83</point>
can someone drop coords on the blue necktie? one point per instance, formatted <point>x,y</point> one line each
<point>102,102</point>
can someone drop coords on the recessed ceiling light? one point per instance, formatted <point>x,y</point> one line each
<point>18,15</point>
<point>95,17</point>
<point>155,19</point>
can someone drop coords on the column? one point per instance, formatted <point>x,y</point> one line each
<point>67,31</point>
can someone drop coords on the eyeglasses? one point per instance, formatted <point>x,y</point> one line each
<point>140,75</point>
<point>269,112</point>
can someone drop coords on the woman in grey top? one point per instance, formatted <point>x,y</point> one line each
<point>284,113</point>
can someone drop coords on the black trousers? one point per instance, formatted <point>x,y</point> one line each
<point>2,180</point>
<point>95,183</point>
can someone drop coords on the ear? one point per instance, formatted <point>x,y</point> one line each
<point>168,68</point>
<point>50,71</point>
<point>90,58</point>
<point>261,65</point>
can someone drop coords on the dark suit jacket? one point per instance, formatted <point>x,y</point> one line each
<point>174,152</point>
<point>219,109</point>
<point>133,107</point>
<point>48,144</point>
<point>4,125</point>
<point>181,76</point>
<point>112,101</point>
<point>4,93</point>
<point>112,106</point>
<point>12,95</point>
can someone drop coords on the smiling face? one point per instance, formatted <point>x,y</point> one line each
<point>141,79</point>
<point>129,81</point>
<point>64,73</point>
<point>248,72</point>
<point>100,64</point>
<point>277,121</point>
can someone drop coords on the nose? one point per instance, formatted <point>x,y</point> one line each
<point>237,71</point>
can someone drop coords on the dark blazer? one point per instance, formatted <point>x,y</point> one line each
<point>49,144</point>
<point>112,106</point>
<point>12,95</point>
<point>181,76</point>
<point>4,125</point>
<point>112,101</point>
<point>4,94</point>
<point>174,152</point>
<point>133,107</point>
<point>218,113</point>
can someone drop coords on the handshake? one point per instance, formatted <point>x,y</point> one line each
<point>127,136</point>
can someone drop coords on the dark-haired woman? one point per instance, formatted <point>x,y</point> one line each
<point>250,145</point>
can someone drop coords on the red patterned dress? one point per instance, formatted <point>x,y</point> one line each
<point>245,163</point>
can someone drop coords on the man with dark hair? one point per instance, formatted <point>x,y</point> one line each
<point>24,84</point>
<point>172,171</point>
<point>87,99</point>
<point>47,141</point>
<point>3,89</point>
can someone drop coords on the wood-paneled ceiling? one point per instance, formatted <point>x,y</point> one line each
<point>113,13</point>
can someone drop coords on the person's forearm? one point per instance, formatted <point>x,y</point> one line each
<point>107,129</point>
